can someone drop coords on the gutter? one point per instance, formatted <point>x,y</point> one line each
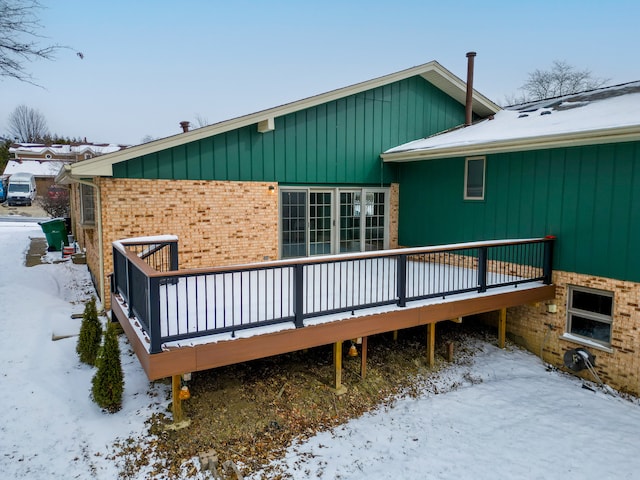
<point>574,139</point>
<point>65,177</point>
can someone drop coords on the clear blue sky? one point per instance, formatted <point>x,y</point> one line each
<point>150,64</point>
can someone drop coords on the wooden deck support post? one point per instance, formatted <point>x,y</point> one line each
<point>502,327</point>
<point>363,358</point>
<point>337,367</point>
<point>450,352</point>
<point>395,335</point>
<point>431,344</point>
<point>176,407</point>
<point>179,421</point>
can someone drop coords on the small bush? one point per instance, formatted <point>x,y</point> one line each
<point>55,207</point>
<point>108,382</point>
<point>90,334</point>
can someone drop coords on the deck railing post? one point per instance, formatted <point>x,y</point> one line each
<point>153,312</point>
<point>116,273</point>
<point>482,269</point>
<point>173,252</point>
<point>548,259</point>
<point>402,280</point>
<point>298,294</point>
<point>130,296</point>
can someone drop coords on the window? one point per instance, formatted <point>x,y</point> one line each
<point>294,223</point>
<point>474,178</point>
<point>87,156</point>
<point>87,205</point>
<point>590,313</point>
<point>321,221</point>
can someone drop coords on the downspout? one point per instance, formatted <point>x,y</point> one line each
<point>101,292</point>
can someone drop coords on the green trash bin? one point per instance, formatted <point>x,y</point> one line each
<point>56,232</point>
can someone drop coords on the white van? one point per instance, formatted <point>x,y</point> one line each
<point>22,189</point>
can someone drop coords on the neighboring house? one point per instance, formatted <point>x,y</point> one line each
<point>273,184</point>
<point>568,167</point>
<point>44,171</point>
<point>45,161</point>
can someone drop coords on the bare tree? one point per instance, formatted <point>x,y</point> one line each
<point>561,79</point>
<point>201,121</point>
<point>27,125</point>
<point>20,38</point>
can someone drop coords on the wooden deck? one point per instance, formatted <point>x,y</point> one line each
<point>205,355</point>
<point>181,321</point>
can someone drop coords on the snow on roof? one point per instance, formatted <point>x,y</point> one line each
<point>609,108</point>
<point>63,149</point>
<point>38,168</point>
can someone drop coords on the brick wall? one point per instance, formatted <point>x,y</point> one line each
<point>541,332</point>
<point>217,222</point>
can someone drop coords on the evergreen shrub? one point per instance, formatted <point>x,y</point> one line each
<point>108,382</point>
<point>90,334</point>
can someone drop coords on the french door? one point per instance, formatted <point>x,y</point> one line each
<point>316,221</point>
<point>320,222</point>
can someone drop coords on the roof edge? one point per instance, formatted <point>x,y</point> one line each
<point>573,139</point>
<point>432,71</point>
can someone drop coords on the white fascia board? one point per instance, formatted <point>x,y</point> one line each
<point>575,139</point>
<point>433,72</point>
<point>63,178</point>
<point>457,89</point>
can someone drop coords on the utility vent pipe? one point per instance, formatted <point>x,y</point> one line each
<point>185,126</point>
<point>469,101</point>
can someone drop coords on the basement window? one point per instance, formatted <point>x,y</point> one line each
<point>474,178</point>
<point>590,314</point>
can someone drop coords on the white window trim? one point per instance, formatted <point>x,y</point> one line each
<point>584,341</point>
<point>335,213</point>
<point>466,174</point>
<point>605,319</point>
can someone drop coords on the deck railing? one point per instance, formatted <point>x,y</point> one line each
<point>172,304</point>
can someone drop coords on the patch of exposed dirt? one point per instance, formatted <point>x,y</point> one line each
<point>249,413</point>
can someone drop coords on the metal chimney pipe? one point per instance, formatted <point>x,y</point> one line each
<point>469,101</point>
<point>185,126</point>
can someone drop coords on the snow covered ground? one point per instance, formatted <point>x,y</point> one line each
<point>501,415</point>
<point>49,427</point>
<point>498,414</point>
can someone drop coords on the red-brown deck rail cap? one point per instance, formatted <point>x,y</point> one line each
<point>550,237</point>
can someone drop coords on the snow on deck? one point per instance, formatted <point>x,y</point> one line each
<point>225,300</point>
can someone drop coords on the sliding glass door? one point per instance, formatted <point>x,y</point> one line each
<point>320,223</point>
<point>293,221</point>
<point>350,234</point>
<point>317,221</point>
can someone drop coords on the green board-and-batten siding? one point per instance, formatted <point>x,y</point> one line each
<point>338,142</point>
<point>589,197</point>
